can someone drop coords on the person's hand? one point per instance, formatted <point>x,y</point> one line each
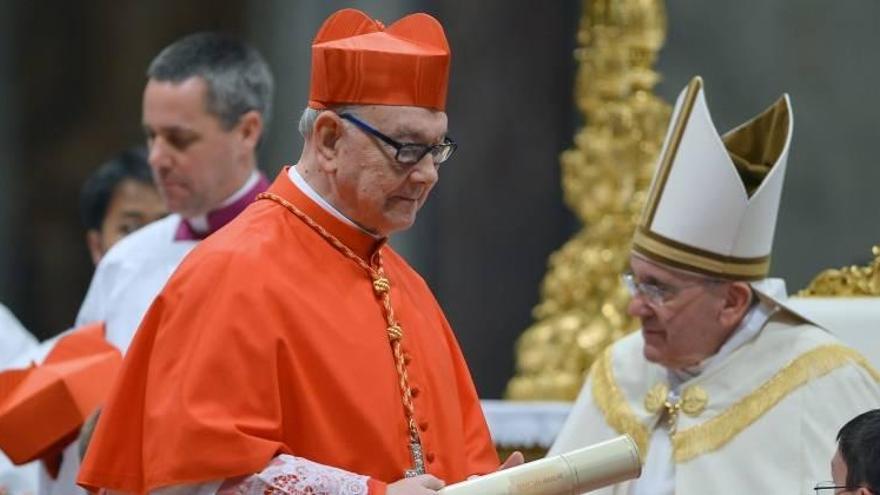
<point>423,484</point>
<point>513,460</point>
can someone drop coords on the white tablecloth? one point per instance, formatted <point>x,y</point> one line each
<point>524,424</point>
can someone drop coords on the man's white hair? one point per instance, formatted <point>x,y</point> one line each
<point>309,115</point>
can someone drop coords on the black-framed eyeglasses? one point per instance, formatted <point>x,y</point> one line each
<point>830,485</point>
<point>407,153</point>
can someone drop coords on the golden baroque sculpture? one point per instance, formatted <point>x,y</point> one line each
<point>605,178</point>
<point>852,281</point>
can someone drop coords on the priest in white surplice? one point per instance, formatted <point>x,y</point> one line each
<point>724,390</point>
<point>205,105</point>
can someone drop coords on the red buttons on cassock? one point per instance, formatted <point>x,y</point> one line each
<point>430,457</point>
<point>423,426</point>
<point>415,392</point>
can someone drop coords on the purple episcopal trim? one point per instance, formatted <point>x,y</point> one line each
<point>219,218</point>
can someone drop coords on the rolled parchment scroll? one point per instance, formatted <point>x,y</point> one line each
<point>572,473</point>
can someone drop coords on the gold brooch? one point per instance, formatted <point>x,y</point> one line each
<point>656,397</point>
<point>694,401</point>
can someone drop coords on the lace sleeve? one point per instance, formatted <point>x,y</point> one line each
<point>289,475</point>
<point>285,475</point>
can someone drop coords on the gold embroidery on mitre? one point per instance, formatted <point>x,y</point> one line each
<point>680,255</point>
<point>753,149</point>
<point>694,401</point>
<point>655,397</point>
<point>677,132</point>
<point>616,411</point>
<point>716,432</point>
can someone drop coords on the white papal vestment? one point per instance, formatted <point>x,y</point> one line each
<point>762,420</point>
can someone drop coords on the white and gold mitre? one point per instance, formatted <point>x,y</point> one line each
<point>713,202</point>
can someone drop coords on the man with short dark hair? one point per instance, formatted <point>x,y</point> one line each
<point>296,344</point>
<point>205,107</point>
<point>118,199</point>
<point>855,467</point>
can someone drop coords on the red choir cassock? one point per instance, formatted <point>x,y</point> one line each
<point>269,340</point>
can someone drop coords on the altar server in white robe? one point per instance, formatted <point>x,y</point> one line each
<point>724,389</point>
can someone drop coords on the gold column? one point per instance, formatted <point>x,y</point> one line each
<point>848,281</point>
<point>605,178</point>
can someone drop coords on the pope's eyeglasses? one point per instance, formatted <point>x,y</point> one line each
<point>656,294</point>
<point>407,153</point>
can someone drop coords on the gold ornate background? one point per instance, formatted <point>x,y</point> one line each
<point>604,177</point>
<point>847,281</point>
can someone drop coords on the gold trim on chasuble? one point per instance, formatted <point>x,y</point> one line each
<point>609,399</point>
<point>713,434</point>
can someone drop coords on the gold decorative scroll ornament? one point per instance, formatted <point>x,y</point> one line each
<point>605,178</point>
<point>848,281</point>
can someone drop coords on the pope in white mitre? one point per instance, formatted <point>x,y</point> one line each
<point>724,389</point>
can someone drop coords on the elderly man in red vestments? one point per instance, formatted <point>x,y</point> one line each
<point>294,351</point>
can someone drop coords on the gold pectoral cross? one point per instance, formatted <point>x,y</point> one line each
<point>672,405</point>
<point>693,402</point>
<point>415,450</point>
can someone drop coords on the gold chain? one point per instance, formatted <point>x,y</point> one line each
<point>382,288</point>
